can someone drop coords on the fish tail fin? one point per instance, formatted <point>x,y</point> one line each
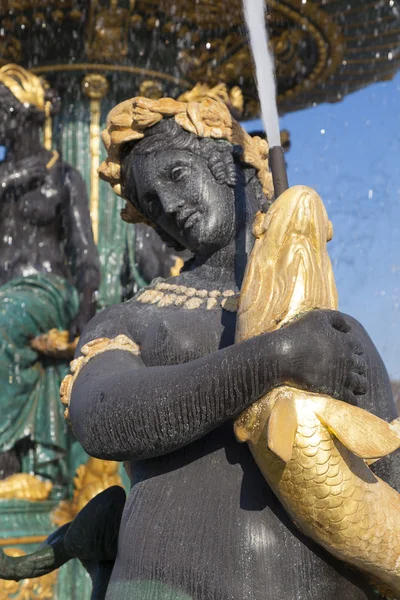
<point>364,434</point>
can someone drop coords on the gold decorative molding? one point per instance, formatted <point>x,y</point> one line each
<point>23,540</point>
<point>108,31</point>
<point>23,486</point>
<point>91,479</point>
<point>151,88</point>
<point>48,124</point>
<point>95,86</point>
<point>39,588</point>
<point>202,41</point>
<point>104,68</point>
<point>48,128</point>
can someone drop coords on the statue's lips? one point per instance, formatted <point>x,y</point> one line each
<point>187,220</point>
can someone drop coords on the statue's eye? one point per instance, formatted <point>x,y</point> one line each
<point>178,173</point>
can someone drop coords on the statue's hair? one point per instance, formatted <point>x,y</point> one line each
<point>24,85</point>
<point>129,121</point>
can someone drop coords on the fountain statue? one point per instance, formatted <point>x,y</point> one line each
<point>159,381</point>
<point>49,274</point>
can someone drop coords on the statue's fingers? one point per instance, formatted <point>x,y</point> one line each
<point>338,321</point>
<point>358,365</point>
<point>348,396</point>
<point>358,384</point>
<point>357,347</point>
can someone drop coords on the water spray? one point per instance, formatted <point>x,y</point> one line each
<point>254,12</point>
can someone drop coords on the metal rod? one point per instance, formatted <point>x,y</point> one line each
<point>95,86</point>
<point>278,169</point>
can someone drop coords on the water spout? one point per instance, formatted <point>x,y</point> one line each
<point>265,77</point>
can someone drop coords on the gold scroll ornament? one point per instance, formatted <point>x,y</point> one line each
<point>95,86</point>
<point>91,479</point>
<point>313,450</point>
<point>24,486</point>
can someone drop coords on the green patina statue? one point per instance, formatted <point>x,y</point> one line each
<point>49,273</point>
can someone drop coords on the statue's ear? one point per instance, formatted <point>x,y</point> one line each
<point>364,434</point>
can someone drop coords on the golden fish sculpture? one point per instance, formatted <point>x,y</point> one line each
<point>313,450</point>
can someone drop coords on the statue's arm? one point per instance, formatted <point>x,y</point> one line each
<point>120,409</point>
<point>80,247</point>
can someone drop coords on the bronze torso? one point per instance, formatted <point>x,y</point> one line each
<point>31,229</point>
<point>202,519</point>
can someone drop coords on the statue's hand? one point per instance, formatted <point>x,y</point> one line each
<point>322,353</point>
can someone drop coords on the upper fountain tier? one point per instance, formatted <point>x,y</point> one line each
<point>324,49</point>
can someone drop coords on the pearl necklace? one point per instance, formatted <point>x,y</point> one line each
<point>169,294</point>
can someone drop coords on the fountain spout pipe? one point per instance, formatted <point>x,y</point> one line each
<point>278,169</point>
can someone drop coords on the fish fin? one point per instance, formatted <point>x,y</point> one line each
<point>282,427</point>
<point>364,434</point>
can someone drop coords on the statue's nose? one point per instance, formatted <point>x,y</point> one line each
<point>170,202</point>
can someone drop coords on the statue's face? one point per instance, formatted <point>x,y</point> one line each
<point>177,190</point>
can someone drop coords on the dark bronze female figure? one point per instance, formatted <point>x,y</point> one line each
<point>49,274</point>
<point>160,379</point>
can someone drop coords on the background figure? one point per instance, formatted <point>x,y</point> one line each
<point>49,274</point>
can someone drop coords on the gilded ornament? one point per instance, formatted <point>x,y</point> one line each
<point>48,124</point>
<point>26,87</point>
<point>208,118</point>
<point>233,98</point>
<point>55,343</point>
<point>95,86</point>
<point>23,486</point>
<point>54,158</point>
<point>176,269</point>
<point>108,31</point>
<point>318,54</point>
<point>38,588</point>
<point>89,351</point>
<point>151,89</point>
<point>312,450</point>
<point>91,479</point>
<point>10,49</point>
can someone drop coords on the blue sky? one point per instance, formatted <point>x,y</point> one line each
<point>350,153</point>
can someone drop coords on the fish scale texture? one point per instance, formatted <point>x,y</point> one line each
<point>333,496</point>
